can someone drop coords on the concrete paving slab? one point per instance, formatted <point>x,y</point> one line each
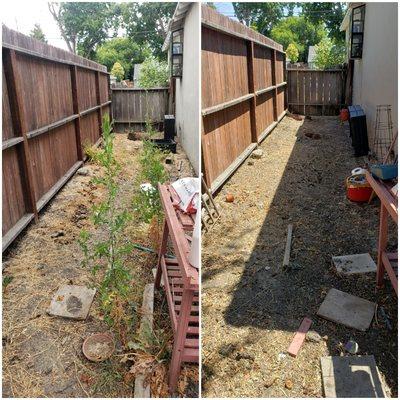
<point>346,309</point>
<point>354,376</point>
<point>354,264</point>
<point>71,301</point>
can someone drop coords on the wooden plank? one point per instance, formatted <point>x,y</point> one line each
<point>12,142</point>
<point>14,83</point>
<point>299,337</point>
<point>274,82</point>
<point>250,74</point>
<point>98,101</point>
<point>227,104</point>
<point>288,246</point>
<point>13,233</point>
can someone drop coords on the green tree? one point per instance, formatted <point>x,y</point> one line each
<point>147,22</point>
<point>118,71</point>
<point>292,53</point>
<point>85,25</point>
<point>331,14</point>
<point>37,33</point>
<point>261,16</point>
<point>329,54</point>
<point>153,73</point>
<point>300,31</point>
<point>123,50</point>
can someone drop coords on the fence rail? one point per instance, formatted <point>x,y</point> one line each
<point>316,92</point>
<point>135,106</point>
<point>243,93</point>
<point>53,102</point>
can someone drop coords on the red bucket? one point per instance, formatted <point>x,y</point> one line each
<point>358,189</point>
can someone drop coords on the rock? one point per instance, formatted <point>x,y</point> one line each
<point>257,154</point>
<point>351,347</point>
<point>244,355</point>
<point>84,171</point>
<point>226,349</point>
<point>288,384</point>
<point>313,336</point>
<point>270,381</point>
<point>57,234</point>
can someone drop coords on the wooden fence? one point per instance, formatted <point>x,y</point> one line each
<point>316,92</point>
<point>53,102</point>
<point>132,107</point>
<point>243,93</point>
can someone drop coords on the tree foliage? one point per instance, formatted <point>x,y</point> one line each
<point>300,31</point>
<point>84,25</point>
<point>147,22</point>
<point>292,53</point>
<point>37,33</point>
<point>118,71</point>
<point>153,73</point>
<point>124,51</point>
<point>329,54</point>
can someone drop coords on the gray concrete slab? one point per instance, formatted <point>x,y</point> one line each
<point>346,309</point>
<point>71,301</point>
<point>353,376</point>
<point>354,264</point>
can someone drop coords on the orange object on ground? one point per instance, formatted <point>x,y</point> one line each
<point>358,189</point>
<point>299,337</point>
<point>344,114</point>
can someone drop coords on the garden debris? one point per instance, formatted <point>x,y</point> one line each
<point>352,376</point>
<point>98,347</point>
<point>84,171</point>
<point>57,234</point>
<point>386,318</point>
<point>354,264</point>
<point>288,384</point>
<point>296,117</point>
<point>312,135</point>
<point>286,256</point>
<point>313,337</point>
<point>71,301</point>
<point>299,337</point>
<point>257,154</point>
<point>346,309</point>
<point>351,346</point>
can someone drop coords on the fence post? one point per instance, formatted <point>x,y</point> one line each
<point>250,75</point>
<point>13,82</point>
<point>75,105</point>
<point>274,83</point>
<point>98,101</point>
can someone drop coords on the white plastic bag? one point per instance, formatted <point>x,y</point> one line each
<point>188,190</point>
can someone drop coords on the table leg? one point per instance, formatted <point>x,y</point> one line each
<point>383,238</point>
<point>161,252</point>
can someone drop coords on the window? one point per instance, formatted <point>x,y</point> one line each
<point>357,32</point>
<point>177,53</point>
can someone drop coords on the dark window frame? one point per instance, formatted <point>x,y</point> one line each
<point>177,55</point>
<point>357,55</point>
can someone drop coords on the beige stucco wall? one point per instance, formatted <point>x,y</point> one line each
<point>187,89</point>
<point>375,75</point>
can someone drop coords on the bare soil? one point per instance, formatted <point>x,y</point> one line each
<point>251,307</point>
<point>42,355</point>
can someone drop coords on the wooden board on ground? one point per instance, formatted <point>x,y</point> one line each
<point>354,376</point>
<point>299,337</point>
<point>346,309</point>
<point>71,301</point>
<point>354,264</point>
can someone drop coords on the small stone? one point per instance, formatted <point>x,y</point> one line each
<point>288,384</point>
<point>257,154</point>
<point>270,381</point>
<point>313,336</point>
<point>83,171</point>
<point>351,347</point>
<point>57,234</point>
<point>229,198</point>
<point>267,268</point>
<point>244,355</point>
<point>325,338</point>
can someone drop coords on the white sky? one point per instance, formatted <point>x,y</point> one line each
<point>22,15</point>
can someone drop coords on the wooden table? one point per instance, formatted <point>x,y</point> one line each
<point>181,283</point>
<point>386,261</point>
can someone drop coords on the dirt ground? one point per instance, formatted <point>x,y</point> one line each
<point>42,355</point>
<point>250,306</point>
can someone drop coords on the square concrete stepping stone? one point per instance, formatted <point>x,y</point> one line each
<point>354,264</point>
<point>354,376</point>
<point>346,309</point>
<point>71,301</point>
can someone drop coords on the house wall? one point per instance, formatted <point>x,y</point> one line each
<point>375,75</point>
<point>187,89</point>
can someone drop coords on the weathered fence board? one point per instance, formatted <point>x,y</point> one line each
<point>243,93</point>
<point>133,107</point>
<point>316,92</point>
<point>51,103</point>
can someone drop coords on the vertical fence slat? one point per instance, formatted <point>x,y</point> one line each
<point>75,105</point>
<point>250,71</point>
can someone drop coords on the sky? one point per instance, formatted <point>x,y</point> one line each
<point>22,15</point>
<point>225,8</point>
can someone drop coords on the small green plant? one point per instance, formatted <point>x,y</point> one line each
<point>118,71</point>
<point>292,53</point>
<point>7,279</point>
<point>109,254</point>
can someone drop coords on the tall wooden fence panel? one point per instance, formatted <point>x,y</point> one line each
<point>243,93</point>
<point>133,107</point>
<point>53,102</point>
<point>316,92</point>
